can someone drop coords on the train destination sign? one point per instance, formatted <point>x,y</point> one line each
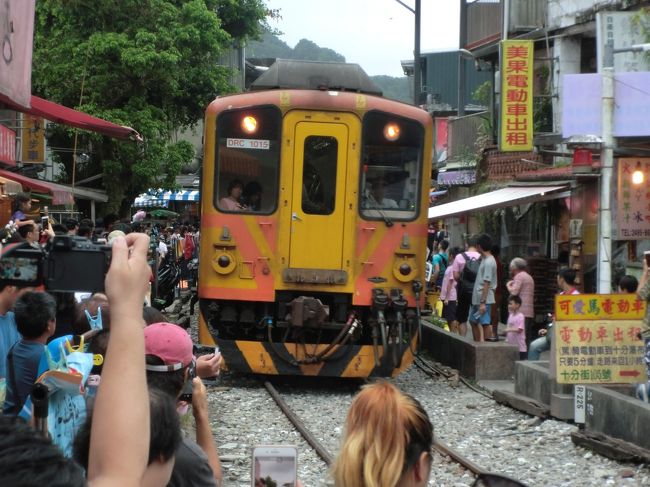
<point>596,339</point>
<point>248,144</point>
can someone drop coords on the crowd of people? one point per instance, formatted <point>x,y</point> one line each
<point>113,439</point>
<point>470,288</point>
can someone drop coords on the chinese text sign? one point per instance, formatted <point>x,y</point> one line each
<point>633,200</point>
<point>33,134</point>
<point>596,338</point>
<point>516,132</point>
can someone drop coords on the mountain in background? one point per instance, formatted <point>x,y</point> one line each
<point>272,47</point>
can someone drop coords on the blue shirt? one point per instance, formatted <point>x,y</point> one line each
<point>8,337</point>
<point>18,216</point>
<point>26,356</point>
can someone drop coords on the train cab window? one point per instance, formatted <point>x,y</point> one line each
<point>391,171</point>
<point>248,160</point>
<point>319,175</point>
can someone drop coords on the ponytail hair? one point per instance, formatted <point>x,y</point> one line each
<point>386,433</point>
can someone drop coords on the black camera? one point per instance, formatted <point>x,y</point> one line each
<point>186,393</point>
<point>68,264</point>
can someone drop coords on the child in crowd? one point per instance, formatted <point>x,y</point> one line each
<point>448,294</point>
<point>516,326</point>
<point>35,314</point>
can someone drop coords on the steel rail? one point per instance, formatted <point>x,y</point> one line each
<point>458,457</point>
<point>300,426</point>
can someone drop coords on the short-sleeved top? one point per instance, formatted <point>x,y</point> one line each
<point>18,216</point>
<point>522,285</point>
<point>517,320</point>
<point>449,278</point>
<point>26,357</point>
<point>8,337</point>
<point>459,261</point>
<point>487,271</point>
<point>191,467</point>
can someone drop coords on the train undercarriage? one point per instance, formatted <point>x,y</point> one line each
<point>316,334</point>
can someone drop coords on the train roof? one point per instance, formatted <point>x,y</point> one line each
<point>314,75</point>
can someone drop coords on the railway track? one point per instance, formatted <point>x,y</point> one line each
<point>327,456</point>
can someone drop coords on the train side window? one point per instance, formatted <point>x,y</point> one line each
<point>319,175</point>
<point>391,172</point>
<point>248,160</point>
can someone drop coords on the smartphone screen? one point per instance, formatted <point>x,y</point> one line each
<point>274,465</point>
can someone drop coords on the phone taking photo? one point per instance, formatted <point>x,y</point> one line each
<point>274,464</point>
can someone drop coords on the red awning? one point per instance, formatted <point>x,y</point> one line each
<point>67,116</point>
<point>61,195</point>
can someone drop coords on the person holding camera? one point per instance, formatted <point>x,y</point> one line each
<point>170,367</point>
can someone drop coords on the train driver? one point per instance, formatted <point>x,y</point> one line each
<point>376,197</point>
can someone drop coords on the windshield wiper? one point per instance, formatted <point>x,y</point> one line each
<point>374,205</point>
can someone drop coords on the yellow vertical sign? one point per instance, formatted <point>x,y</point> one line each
<point>33,139</point>
<point>516,133</point>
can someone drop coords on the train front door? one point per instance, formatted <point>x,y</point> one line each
<point>318,195</point>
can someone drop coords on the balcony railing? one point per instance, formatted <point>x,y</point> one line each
<point>483,22</point>
<point>462,135</point>
<point>526,15</point>
<point>484,19</point>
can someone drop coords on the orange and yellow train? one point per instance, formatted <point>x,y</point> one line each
<point>314,201</point>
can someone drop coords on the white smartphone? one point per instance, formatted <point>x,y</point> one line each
<point>274,463</point>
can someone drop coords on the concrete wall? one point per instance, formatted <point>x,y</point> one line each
<point>479,361</point>
<point>565,13</point>
<point>618,415</point>
<point>566,51</point>
<point>532,380</point>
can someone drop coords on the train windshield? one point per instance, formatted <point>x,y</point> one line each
<point>248,160</point>
<point>391,170</point>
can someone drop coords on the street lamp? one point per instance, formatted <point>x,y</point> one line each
<point>417,81</point>
<point>607,166</point>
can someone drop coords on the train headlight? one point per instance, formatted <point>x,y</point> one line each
<point>249,124</point>
<point>391,131</point>
<point>404,270</point>
<point>223,262</point>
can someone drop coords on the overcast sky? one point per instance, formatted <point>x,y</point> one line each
<point>377,34</point>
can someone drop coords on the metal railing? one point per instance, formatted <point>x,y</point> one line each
<point>527,15</point>
<point>483,22</point>
<point>462,135</point>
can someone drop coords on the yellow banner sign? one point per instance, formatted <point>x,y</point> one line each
<point>33,143</point>
<point>516,133</point>
<point>571,307</point>
<point>598,352</point>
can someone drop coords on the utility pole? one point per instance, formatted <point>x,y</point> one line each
<point>417,76</point>
<point>606,171</point>
<point>462,72</point>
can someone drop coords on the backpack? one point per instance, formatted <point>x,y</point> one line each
<point>469,273</point>
<point>442,263</point>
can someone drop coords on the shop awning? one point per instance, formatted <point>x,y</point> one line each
<point>149,200</point>
<point>61,194</point>
<point>510,196</point>
<point>67,116</point>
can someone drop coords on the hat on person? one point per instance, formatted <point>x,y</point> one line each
<point>171,344</point>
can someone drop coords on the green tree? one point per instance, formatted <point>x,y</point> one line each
<point>149,64</point>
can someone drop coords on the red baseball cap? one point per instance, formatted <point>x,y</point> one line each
<point>170,343</point>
